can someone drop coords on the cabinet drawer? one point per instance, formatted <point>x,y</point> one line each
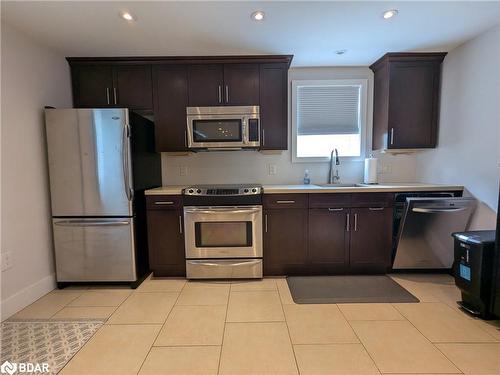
<point>163,202</point>
<point>285,201</point>
<point>372,200</point>
<point>329,200</point>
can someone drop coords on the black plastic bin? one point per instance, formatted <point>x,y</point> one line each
<point>473,270</point>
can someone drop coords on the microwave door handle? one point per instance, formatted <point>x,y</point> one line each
<point>244,130</point>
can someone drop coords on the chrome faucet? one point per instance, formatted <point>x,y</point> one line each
<point>334,177</point>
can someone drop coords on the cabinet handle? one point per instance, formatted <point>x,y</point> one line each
<point>164,203</point>
<point>180,224</point>
<point>392,136</point>
<point>220,94</point>
<point>285,202</point>
<point>227,94</point>
<point>348,223</point>
<point>376,208</point>
<point>265,223</point>
<point>185,138</point>
<point>115,95</point>
<point>355,222</point>
<point>335,209</point>
<point>263,137</point>
<point>107,95</point>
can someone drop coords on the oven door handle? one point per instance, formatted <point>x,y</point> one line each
<point>236,210</point>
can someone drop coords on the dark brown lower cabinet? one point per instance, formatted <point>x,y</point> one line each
<point>337,234</point>
<point>328,240</point>
<point>285,241</point>
<point>166,241</point>
<point>371,239</point>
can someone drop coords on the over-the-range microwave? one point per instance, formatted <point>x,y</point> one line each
<point>223,127</point>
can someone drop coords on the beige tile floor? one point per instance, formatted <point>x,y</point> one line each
<point>170,326</point>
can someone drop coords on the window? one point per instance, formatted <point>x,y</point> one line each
<point>328,114</point>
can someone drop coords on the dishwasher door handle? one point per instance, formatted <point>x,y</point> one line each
<point>424,210</point>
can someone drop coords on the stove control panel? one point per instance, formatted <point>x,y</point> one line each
<point>223,190</point>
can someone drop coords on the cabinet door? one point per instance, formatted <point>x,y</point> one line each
<point>132,86</point>
<point>92,86</point>
<point>166,243</point>
<point>241,84</point>
<point>170,93</point>
<point>328,239</point>
<point>285,241</point>
<point>413,104</point>
<point>205,85</point>
<point>371,238</point>
<point>273,106</point>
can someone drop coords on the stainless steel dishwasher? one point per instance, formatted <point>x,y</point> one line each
<point>424,238</point>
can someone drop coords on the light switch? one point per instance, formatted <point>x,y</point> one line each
<point>183,170</point>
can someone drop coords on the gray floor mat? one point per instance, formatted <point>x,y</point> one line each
<point>347,289</point>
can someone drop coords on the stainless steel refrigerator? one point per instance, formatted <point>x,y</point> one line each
<point>100,163</point>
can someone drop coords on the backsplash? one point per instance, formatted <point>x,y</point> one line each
<point>254,167</point>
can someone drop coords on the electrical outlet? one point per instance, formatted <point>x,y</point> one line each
<point>385,168</point>
<point>7,261</point>
<point>183,170</point>
<point>272,169</point>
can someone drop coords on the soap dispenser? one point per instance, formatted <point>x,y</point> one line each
<point>307,180</point>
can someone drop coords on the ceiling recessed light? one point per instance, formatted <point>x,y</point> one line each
<point>340,51</point>
<point>258,15</point>
<point>127,16</point>
<point>390,13</point>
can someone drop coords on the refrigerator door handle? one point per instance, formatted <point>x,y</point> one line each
<point>125,160</point>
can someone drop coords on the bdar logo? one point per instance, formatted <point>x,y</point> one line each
<point>8,368</point>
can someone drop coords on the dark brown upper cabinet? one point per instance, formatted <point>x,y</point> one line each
<point>223,84</point>
<point>241,84</point>
<point>406,100</point>
<point>205,85</point>
<point>92,86</point>
<point>133,86</point>
<point>167,85</point>
<point>170,92</point>
<point>98,86</point>
<point>274,106</point>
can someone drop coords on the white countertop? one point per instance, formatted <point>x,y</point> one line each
<point>360,188</point>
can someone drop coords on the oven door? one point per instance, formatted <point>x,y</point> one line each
<point>223,232</point>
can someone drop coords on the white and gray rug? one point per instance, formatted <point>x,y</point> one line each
<point>42,341</point>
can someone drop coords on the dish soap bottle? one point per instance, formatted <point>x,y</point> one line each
<point>307,180</point>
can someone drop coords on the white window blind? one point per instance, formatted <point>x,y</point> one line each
<point>328,109</point>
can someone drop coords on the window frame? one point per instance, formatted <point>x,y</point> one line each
<point>363,83</point>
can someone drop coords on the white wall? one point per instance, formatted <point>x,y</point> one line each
<point>468,152</point>
<point>252,166</point>
<point>33,76</point>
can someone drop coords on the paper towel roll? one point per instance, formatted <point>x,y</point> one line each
<point>370,171</point>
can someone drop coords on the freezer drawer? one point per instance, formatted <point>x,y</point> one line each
<point>98,249</point>
<point>224,269</point>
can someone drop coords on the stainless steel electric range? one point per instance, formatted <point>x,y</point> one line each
<point>223,231</point>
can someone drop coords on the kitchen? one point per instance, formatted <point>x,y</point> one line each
<point>273,221</point>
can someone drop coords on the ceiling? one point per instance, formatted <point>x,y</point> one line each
<point>312,31</point>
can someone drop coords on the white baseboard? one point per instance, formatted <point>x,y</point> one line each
<point>26,296</point>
